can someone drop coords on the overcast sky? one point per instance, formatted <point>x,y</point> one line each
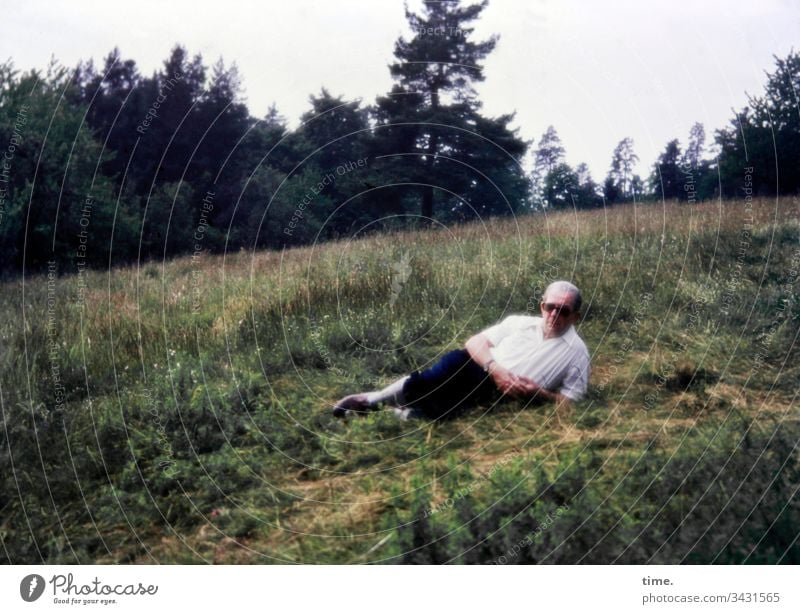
<point>597,70</point>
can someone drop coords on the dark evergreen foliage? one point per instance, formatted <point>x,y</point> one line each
<point>453,162</point>
<point>765,137</point>
<point>157,158</point>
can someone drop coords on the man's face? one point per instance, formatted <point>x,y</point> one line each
<point>558,314</point>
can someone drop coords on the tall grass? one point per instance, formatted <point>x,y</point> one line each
<point>179,411</point>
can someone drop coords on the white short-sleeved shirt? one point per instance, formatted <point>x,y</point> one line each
<point>558,364</point>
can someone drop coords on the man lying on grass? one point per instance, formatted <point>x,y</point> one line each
<point>525,357</point>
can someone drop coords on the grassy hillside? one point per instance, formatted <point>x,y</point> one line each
<point>180,412</point>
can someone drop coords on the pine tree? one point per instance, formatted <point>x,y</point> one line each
<point>222,119</point>
<point>220,163</point>
<point>765,137</point>
<point>335,131</point>
<point>549,155</point>
<point>429,126</point>
<point>621,181</point>
<point>114,98</point>
<point>170,139</point>
<point>667,179</point>
<point>550,151</point>
<point>335,139</point>
<point>57,204</point>
<point>694,150</point>
<point>588,195</point>
<point>699,182</point>
<point>560,187</point>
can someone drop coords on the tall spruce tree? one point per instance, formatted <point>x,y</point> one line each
<point>56,202</point>
<point>694,151</point>
<point>178,89</point>
<point>335,130</point>
<point>430,129</point>
<point>667,179</point>
<point>334,136</point>
<point>765,137</point>
<point>549,159</point>
<point>621,182</point>
<point>560,187</point>
<point>699,183</point>
<point>587,196</point>
<point>115,105</point>
<point>550,152</point>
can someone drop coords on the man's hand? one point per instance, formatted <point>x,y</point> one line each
<point>522,387</point>
<point>513,385</point>
<point>479,348</point>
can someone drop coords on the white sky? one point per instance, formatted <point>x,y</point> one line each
<point>597,70</point>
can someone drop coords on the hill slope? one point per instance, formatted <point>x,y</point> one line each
<point>180,412</point>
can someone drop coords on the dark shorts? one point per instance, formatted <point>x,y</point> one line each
<point>454,383</point>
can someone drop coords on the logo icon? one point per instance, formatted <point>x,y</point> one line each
<point>31,587</point>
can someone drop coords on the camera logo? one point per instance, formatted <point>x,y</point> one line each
<point>31,587</point>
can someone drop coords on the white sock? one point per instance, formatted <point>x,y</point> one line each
<point>393,393</point>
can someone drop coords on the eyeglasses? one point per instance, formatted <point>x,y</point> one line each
<point>563,310</point>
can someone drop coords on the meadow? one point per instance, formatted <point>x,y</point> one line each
<point>180,411</point>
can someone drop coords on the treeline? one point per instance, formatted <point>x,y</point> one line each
<point>103,165</point>
<point>755,155</point>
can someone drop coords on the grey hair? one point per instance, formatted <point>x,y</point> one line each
<point>567,288</point>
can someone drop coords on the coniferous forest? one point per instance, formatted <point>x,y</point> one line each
<point>107,166</point>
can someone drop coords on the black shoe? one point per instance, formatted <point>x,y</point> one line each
<point>351,405</point>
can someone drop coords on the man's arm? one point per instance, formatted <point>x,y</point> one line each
<point>479,349</point>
